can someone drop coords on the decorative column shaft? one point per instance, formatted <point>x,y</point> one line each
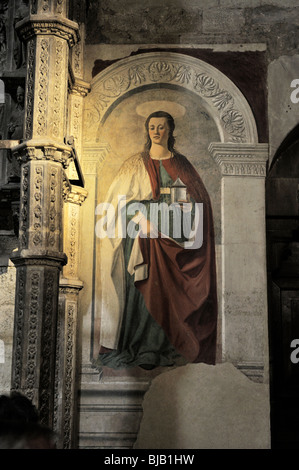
<point>243,251</point>
<point>38,262</point>
<point>48,41</point>
<point>44,158</point>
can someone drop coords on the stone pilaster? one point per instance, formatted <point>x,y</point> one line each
<point>68,327</point>
<point>67,353</point>
<point>44,158</point>
<point>78,88</point>
<point>243,302</point>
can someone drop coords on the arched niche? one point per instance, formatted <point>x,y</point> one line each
<point>219,95</point>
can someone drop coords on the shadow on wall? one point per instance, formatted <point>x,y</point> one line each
<point>283,289</point>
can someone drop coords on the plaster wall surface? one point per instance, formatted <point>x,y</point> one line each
<point>224,410</point>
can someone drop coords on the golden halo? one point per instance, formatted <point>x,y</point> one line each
<point>176,110</point>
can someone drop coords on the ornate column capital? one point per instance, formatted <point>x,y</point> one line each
<point>70,286</point>
<point>46,150</point>
<point>77,86</point>
<point>35,25</point>
<point>94,157</point>
<point>77,195</point>
<point>240,159</point>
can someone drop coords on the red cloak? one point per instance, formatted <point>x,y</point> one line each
<point>180,291</point>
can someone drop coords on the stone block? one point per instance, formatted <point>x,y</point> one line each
<point>241,344</point>
<point>224,410</point>
<point>219,20</point>
<point>274,14</point>
<point>245,271</point>
<point>122,5</point>
<point>279,3</point>
<point>110,413</point>
<point>245,198</point>
<point>257,3</point>
<point>7,285</point>
<point>241,3</point>
<point>5,366</point>
<point>140,23</point>
<point>244,302</point>
<point>7,306</point>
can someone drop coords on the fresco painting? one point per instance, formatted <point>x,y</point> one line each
<point>157,282</point>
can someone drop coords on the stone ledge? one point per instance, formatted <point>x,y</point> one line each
<point>106,440</point>
<point>110,413</point>
<point>38,258</point>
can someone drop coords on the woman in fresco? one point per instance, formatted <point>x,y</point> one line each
<point>158,299</point>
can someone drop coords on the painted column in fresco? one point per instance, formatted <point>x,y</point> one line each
<point>243,246</point>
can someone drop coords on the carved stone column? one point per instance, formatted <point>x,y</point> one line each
<point>38,261</point>
<point>243,249</point>
<point>67,364</point>
<point>44,158</point>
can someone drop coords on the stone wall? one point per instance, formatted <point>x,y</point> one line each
<point>269,28</point>
<point>195,22</point>
<point>8,243</point>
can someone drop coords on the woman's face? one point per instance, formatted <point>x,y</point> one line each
<point>158,131</point>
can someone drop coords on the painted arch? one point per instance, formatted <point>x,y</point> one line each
<point>221,97</point>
